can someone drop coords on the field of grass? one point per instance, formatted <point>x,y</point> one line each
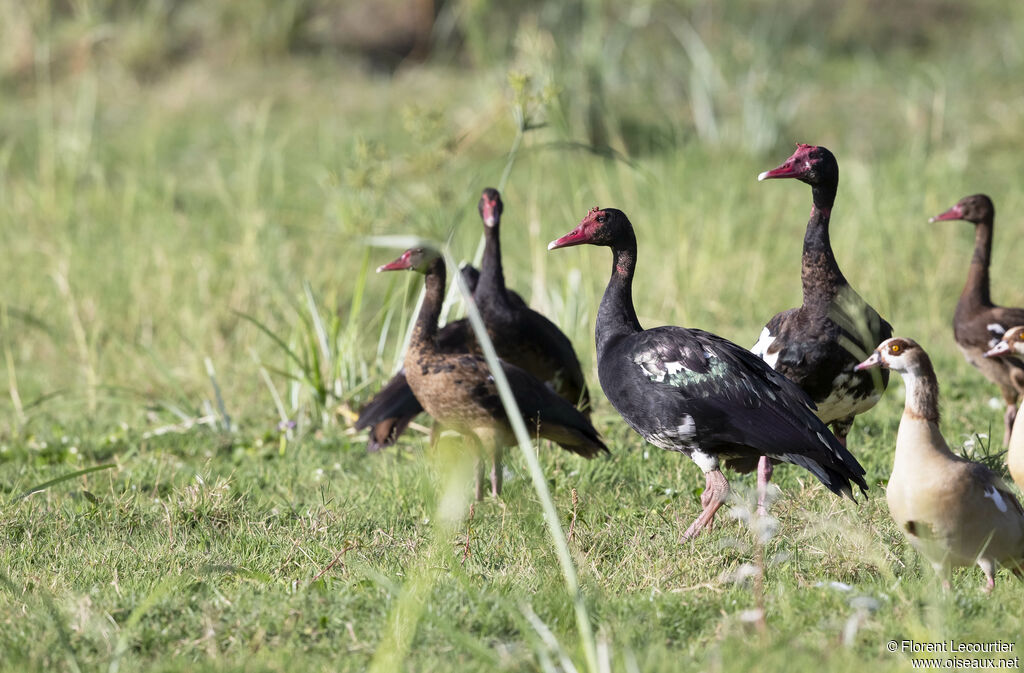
<point>189,306</point>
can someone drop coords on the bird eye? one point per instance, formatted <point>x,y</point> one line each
<point>600,219</point>
<point>894,348</point>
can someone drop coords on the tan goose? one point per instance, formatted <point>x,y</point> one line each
<point>1012,345</point>
<point>954,512</point>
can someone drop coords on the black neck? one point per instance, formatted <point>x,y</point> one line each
<point>425,331</point>
<point>976,290</point>
<point>492,277</point>
<point>616,317</point>
<point>820,274</point>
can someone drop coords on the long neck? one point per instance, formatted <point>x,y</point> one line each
<point>492,276</point>
<point>976,289</point>
<point>820,274</point>
<point>922,392</point>
<point>425,331</point>
<point>616,317</point>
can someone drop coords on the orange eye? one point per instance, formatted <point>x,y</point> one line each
<point>894,348</point>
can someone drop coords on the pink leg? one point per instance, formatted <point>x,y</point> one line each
<point>716,491</point>
<point>988,566</point>
<point>705,501</point>
<point>764,475</point>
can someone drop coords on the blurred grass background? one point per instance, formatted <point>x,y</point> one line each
<point>181,180</point>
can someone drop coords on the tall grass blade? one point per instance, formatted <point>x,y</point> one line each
<point>292,355</point>
<point>67,477</point>
<point>540,484</point>
<point>12,378</point>
<point>453,504</point>
<point>549,639</point>
<point>282,413</point>
<point>318,327</point>
<point>359,291</point>
<point>221,407</point>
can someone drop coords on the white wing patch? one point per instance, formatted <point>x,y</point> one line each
<point>649,365</point>
<point>680,438</point>
<point>996,497</point>
<point>760,349</point>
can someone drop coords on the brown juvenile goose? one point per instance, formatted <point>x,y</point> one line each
<point>389,413</point>
<point>1012,345</point>
<point>457,389</point>
<point>978,324</point>
<point>954,511</point>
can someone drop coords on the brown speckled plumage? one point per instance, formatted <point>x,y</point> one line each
<point>459,391</point>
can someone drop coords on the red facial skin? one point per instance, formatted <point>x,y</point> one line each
<point>403,262</point>
<point>489,214</point>
<point>954,213</point>
<point>581,234</point>
<point>793,167</point>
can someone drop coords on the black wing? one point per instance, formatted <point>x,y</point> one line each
<point>545,412</point>
<point>389,413</point>
<point>551,415</point>
<point>560,350</point>
<point>738,403</point>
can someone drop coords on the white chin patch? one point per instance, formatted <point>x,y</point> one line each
<point>760,349</point>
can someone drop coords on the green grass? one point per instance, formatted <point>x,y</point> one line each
<point>178,215</point>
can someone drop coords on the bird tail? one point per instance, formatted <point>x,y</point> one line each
<point>389,413</point>
<point>582,440</point>
<point>838,473</point>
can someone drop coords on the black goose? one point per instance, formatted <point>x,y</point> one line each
<point>694,392</point>
<point>817,344</point>
<point>458,390</point>
<point>520,334</point>
<point>978,324</point>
